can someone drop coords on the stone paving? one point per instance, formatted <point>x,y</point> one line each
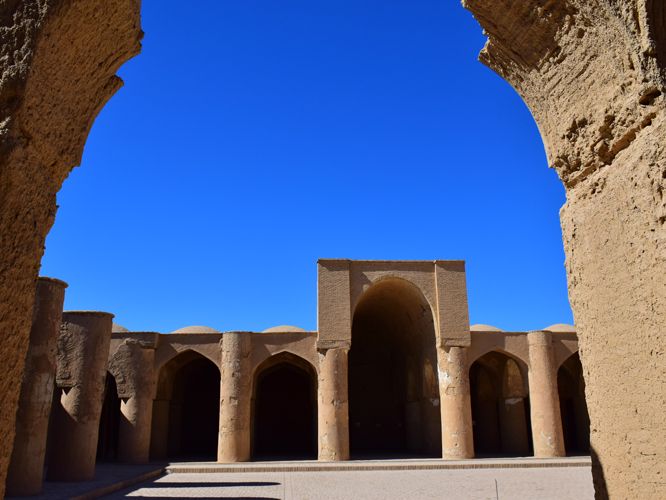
<point>556,483</point>
<point>106,476</point>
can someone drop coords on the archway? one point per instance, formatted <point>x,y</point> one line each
<point>500,407</point>
<point>186,410</point>
<point>109,422</point>
<point>573,409</point>
<point>393,384</point>
<point>284,409</point>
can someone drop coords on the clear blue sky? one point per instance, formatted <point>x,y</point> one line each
<point>253,137</point>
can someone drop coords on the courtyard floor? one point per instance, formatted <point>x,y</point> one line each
<point>549,482</point>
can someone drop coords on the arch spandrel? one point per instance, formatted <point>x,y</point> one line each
<point>283,356</point>
<point>513,345</point>
<point>168,348</point>
<point>267,345</point>
<point>565,345</point>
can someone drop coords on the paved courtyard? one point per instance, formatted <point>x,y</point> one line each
<point>557,483</point>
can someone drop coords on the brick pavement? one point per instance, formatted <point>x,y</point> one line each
<point>557,483</point>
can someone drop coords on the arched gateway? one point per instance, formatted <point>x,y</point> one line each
<point>393,383</point>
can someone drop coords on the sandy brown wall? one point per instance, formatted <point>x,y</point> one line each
<point>58,60</point>
<point>592,72</point>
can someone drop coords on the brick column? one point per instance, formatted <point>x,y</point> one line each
<point>544,398</point>
<point>26,468</point>
<point>333,408</point>
<point>133,366</point>
<point>83,352</point>
<point>457,440</point>
<point>235,398</point>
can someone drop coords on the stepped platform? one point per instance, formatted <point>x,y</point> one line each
<point>375,465</point>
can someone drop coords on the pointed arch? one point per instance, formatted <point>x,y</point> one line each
<point>393,376</point>
<point>186,408</point>
<point>284,408</point>
<point>522,363</point>
<point>500,405</point>
<point>573,407</point>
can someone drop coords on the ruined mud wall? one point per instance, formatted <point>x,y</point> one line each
<point>593,73</point>
<point>58,60</point>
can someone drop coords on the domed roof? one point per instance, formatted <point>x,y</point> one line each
<point>196,329</point>
<point>479,327</point>
<point>283,329</point>
<point>116,328</point>
<point>560,327</point>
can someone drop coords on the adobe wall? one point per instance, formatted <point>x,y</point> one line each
<point>240,356</point>
<point>58,63</point>
<point>593,74</point>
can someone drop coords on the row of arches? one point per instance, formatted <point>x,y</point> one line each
<point>393,395</point>
<point>186,411</point>
<point>501,406</point>
<point>396,420</point>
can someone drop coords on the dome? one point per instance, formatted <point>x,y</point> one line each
<point>196,329</point>
<point>484,328</point>
<point>283,329</point>
<point>116,328</point>
<point>561,327</point>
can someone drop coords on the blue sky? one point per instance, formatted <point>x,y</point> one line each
<point>253,137</point>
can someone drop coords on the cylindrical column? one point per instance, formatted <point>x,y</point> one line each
<point>544,399</point>
<point>333,408</point>
<point>457,440</point>
<point>133,364</point>
<point>26,467</point>
<point>83,351</point>
<point>134,434</point>
<point>233,443</point>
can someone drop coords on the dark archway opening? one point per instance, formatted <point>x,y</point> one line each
<point>186,409</point>
<point>573,409</point>
<point>500,407</point>
<point>284,411</point>
<point>194,411</point>
<point>393,385</point>
<point>109,423</point>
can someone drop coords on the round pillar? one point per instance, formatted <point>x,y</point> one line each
<point>133,366</point>
<point>83,351</point>
<point>235,399</point>
<point>25,475</point>
<point>134,433</point>
<point>544,398</point>
<point>457,439</point>
<point>333,408</point>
